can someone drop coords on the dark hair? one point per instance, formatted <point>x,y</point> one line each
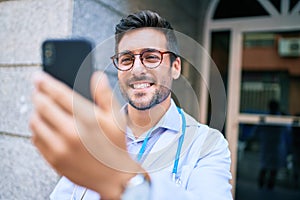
<point>146,18</point>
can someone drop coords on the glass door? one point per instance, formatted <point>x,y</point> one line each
<point>268,142</point>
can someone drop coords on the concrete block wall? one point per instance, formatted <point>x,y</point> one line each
<point>24,24</point>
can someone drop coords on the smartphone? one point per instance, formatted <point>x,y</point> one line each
<point>70,61</point>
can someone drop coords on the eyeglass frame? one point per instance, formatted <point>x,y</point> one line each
<point>140,57</point>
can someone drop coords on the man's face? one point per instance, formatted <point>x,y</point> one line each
<point>144,88</point>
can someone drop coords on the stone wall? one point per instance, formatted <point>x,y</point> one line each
<point>24,25</point>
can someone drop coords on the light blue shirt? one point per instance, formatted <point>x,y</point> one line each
<point>203,170</point>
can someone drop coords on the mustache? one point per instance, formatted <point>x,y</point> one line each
<point>140,78</point>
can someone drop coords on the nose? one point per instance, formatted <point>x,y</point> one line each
<point>138,67</point>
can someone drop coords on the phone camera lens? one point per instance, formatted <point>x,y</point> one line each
<point>49,54</point>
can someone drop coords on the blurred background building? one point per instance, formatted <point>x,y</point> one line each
<point>255,45</point>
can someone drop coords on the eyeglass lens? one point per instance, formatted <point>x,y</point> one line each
<point>149,58</point>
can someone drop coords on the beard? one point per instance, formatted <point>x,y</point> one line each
<point>143,101</point>
<point>158,97</point>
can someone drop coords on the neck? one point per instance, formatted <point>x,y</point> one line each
<point>142,120</point>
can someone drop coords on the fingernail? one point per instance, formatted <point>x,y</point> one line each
<point>103,78</point>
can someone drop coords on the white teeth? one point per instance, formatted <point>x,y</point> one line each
<point>141,85</point>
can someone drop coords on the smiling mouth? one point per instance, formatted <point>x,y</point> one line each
<point>141,85</point>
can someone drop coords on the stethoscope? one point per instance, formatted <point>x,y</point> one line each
<point>143,148</point>
<point>177,156</point>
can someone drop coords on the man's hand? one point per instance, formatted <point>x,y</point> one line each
<point>81,140</point>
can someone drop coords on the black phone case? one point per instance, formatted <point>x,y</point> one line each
<point>70,61</point>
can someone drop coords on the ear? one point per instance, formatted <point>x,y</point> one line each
<point>176,68</point>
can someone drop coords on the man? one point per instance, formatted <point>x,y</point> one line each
<point>272,148</point>
<point>170,155</point>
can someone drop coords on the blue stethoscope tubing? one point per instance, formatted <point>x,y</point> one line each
<point>143,148</point>
<point>180,143</point>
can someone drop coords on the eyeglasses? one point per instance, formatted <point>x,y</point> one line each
<point>150,58</point>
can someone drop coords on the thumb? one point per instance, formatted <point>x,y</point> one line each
<point>102,92</point>
<point>110,109</point>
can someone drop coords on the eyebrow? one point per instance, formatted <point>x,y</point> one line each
<point>140,50</point>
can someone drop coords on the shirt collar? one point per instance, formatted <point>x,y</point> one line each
<point>170,120</point>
